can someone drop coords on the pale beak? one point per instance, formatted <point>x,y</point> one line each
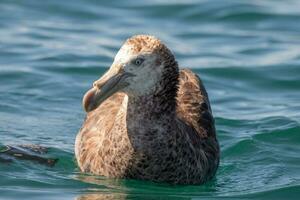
<point>110,83</point>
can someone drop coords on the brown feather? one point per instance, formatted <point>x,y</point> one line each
<point>193,104</point>
<point>165,136</point>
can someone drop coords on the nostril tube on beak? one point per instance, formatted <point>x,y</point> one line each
<point>100,82</point>
<point>97,84</point>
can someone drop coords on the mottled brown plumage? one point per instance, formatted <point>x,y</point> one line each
<point>165,134</point>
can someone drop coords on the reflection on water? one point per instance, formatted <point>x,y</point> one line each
<point>107,186</point>
<point>128,189</point>
<point>100,197</point>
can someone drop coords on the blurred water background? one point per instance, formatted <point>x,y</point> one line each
<point>246,52</point>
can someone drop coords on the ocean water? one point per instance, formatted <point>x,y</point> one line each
<point>246,52</point>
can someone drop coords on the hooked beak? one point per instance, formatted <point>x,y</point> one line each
<point>110,83</point>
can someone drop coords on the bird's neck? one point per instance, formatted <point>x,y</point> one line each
<point>150,117</point>
<point>150,108</point>
<point>157,104</point>
<point>148,120</point>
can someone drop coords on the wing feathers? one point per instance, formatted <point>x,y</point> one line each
<point>193,104</point>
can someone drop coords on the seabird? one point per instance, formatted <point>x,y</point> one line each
<point>148,120</point>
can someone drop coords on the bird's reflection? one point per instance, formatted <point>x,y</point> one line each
<point>99,196</point>
<point>104,188</point>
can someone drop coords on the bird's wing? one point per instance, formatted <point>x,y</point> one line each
<point>97,123</point>
<point>193,106</point>
<point>103,117</point>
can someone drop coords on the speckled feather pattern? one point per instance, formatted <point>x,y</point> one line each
<point>164,136</point>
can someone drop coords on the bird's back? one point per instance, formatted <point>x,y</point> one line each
<point>193,109</point>
<point>193,105</point>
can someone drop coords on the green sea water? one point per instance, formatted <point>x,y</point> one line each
<point>246,52</point>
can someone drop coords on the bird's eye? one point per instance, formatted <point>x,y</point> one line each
<point>138,61</point>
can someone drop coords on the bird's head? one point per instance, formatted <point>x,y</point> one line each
<point>138,68</point>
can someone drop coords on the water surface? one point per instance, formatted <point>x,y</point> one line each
<point>247,53</point>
